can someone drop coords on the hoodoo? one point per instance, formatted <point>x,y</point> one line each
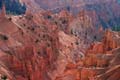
<point>3,11</point>
<point>59,40</point>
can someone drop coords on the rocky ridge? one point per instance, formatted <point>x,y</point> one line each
<point>47,46</point>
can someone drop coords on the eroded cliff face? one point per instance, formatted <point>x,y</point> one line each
<point>106,14</point>
<point>108,43</point>
<point>32,46</point>
<point>99,64</point>
<point>47,46</point>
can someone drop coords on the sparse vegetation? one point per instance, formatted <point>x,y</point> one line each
<point>37,40</point>
<point>49,17</point>
<point>3,37</point>
<point>4,77</point>
<point>10,19</point>
<point>72,31</point>
<point>68,8</point>
<point>77,43</point>
<point>116,28</point>
<point>95,37</point>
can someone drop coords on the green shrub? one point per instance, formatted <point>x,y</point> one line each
<point>116,28</point>
<point>13,7</point>
<point>4,77</point>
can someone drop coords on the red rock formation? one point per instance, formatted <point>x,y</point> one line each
<point>28,64</point>
<point>3,11</point>
<point>39,46</point>
<point>108,43</point>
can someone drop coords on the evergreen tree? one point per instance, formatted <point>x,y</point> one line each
<point>14,7</point>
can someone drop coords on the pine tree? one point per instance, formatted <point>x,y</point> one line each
<point>13,7</point>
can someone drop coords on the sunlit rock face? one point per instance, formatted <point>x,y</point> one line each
<point>27,65</point>
<point>108,43</point>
